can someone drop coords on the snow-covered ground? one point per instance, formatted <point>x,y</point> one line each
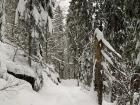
<point>69,83</point>
<point>50,94</point>
<point>19,92</point>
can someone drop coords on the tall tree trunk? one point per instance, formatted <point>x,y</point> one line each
<point>46,51</point>
<point>98,73</point>
<point>30,50</point>
<point>0,31</point>
<point>30,36</point>
<point>75,63</point>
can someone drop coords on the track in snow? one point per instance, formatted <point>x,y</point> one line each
<point>51,94</point>
<point>65,95</point>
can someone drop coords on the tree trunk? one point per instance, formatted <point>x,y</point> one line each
<point>30,36</point>
<point>0,31</point>
<point>46,51</point>
<point>30,50</point>
<point>98,67</point>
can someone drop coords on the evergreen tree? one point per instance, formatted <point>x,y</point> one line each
<point>121,28</point>
<point>56,42</point>
<point>27,23</point>
<point>34,23</point>
<point>1,16</point>
<point>79,23</point>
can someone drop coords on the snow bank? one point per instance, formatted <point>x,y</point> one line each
<point>6,63</point>
<point>2,83</point>
<point>51,73</point>
<point>50,94</point>
<point>21,97</point>
<point>20,66</point>
<point>19,69</point>
<point>107,103</point>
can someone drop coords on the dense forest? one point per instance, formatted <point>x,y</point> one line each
<point>86,55</point>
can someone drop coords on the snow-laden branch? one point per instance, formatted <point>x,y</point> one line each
<point>107,57</point>
<point>99,35</point>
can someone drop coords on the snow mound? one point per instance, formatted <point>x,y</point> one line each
<point>50,94</point>
<point>6,63</point>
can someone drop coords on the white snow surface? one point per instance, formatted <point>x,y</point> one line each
<point>6,63</point>
<point>14,91</point>
<point>69,83</point>
<point>50,94</point>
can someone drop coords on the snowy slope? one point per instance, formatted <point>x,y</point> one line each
<point>6,57</point>
<point>20,64</point>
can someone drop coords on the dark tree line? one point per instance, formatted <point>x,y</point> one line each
<point>120,23</point>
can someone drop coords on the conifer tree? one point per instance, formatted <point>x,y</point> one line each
<point>79,24</point>
<point>121,28</point>
<point>57,41</point>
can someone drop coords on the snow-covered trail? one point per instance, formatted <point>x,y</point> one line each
<point>22,94</point>
<point>50,94</point>
<point>66,95</point>
<point>62,95</point>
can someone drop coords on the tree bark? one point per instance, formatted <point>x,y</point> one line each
<point>30,37</point>
<point>30,51</point>
<point>98,70</point>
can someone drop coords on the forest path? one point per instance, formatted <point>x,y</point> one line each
<point>66,94</point>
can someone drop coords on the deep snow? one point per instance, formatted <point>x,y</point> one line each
<point>50,94</point>
<point>18,92</point>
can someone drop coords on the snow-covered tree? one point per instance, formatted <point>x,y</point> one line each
<point>33,21</point>
<point>121,28</point>
<point>79,24</point>
<point>26,23</point>
<point>57,41</point>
